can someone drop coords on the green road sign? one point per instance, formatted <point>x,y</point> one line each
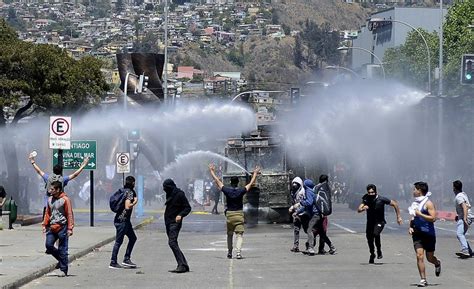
<point>80,149</point>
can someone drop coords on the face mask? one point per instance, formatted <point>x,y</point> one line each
<point>371,198</point>
<point>295,187</point>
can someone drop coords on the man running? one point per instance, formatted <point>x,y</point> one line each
<point>423,231</point>
<point>374,205</point>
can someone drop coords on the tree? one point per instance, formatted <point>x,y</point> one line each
<point>50,80</point>
<point>407,62</point>
<point>298,52</point>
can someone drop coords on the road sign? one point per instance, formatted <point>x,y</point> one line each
<point>60,132</point>
<point>123,163</point>
<point>73,157</point>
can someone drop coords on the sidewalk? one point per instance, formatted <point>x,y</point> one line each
<point>22,250</point>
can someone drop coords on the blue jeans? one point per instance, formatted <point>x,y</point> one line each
<point>61,252</point>
<point>123,229</point>
<point>461,230</point>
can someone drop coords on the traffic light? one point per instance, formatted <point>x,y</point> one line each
<point>467,71</point>
<point>142,83</point>
<point>295,94</point>
<point>133,135</point>
<point>134,150</point>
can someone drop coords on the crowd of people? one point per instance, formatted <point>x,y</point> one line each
<point>310,211</point>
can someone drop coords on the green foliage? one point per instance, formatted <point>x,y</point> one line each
<point>408,62</point>
<point>197,78</point>
<point>48,75</point>
<point>298,52</point>
<point>237,56</point>
<point>322,42</point>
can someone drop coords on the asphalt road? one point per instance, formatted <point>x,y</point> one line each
<point>267,262</point>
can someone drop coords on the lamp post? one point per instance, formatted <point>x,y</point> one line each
<point>343,68</point>
<point>377,20</point>
<point>368,51</point>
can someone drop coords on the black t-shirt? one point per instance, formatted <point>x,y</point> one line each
<point>124,215</point>
<point>234,198</point>
<point>376,210</point>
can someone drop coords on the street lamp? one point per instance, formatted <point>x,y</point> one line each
<point>378,20</point>
<point>368,51</point>
<point>343,68</point>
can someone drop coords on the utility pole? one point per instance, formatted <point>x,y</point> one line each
<point>440,90</point>
<point>165,78</point>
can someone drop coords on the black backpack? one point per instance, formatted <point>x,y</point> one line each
<point>117,201</point>
<point>323,199</point>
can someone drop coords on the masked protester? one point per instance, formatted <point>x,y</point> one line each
<point>374,205</point>
<point>297,194</point>
<point>177,207</point>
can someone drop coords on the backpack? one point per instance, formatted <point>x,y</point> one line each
<point>117,201</point>
<point>53,178</point>
<point>323,200</point>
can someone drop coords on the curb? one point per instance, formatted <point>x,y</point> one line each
<point>30,276</point>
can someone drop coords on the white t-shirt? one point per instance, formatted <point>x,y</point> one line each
<point>459,200</point>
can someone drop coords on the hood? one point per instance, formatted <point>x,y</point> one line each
<point>169,186</point>
<point>297,180</point>
<point>300,194</point>
<point>309,183</point>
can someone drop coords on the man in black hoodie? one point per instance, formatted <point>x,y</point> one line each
<point>177,207</point>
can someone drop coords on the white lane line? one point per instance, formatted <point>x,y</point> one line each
<point>231,274</point>
<point>344,228</point>
<point>391,228</point>
<point>443,229</point>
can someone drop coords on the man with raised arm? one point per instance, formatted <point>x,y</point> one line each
<point>234,208</point>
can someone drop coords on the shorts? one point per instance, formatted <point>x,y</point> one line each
<point>235,221</point>
<point>425,241</point>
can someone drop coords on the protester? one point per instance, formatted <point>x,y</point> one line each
<point>216,194</point>
<point>374,205</point>
<point>234,209</point>
<point>464,219</point>
<point>321,227</point>
<point>58,224</point>
<point>177,207</point>
<point>3,198</point>
<point>423,231</point>
<point>297,194</point>
<point>57,175</point>
<point>123,225</point>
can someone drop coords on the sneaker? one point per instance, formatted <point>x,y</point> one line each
<point>129,264</point>
<point>311,252</point>
<point>229,255</point>
<point>322,252</point>
<point>57,266</point>
<point>379,255</point>
<point>238,255</point>
<point>114,265</point>
<point>62,274</point>
<point>372,259</point>
<point>438,268</point>
<point>463,254</point>
<point>422,283</point>
<point>295,249</point>
<point>332,250</point>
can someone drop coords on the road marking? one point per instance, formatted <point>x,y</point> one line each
<point>344,228</point>
<point>231,274</point>
<point>391,228</point>
<point>447,230</point>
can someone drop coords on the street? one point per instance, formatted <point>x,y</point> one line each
<point>267,262</point>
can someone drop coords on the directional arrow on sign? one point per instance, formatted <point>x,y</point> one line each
<point>92,164</point>
<point>56,155</point>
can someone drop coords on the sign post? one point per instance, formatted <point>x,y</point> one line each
<point>123,164</point>
<point>72,159</point>
<point>60,132</point>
